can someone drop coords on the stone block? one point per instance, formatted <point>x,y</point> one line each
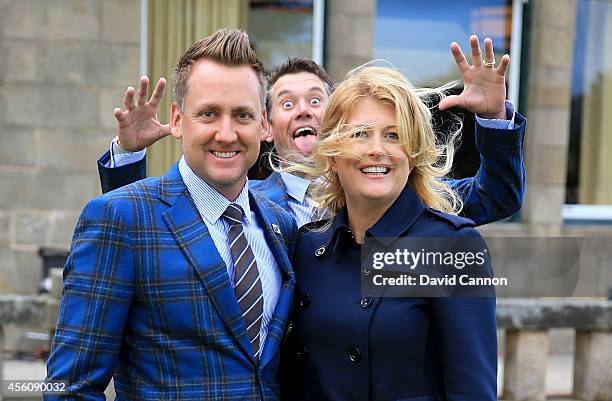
<point>49,189</point>
<point>18,147</point>
<point>109,98</point>
<point>557,13</point>
<point>338,66</point>
<point>548,126</point>
<point>351,36</point>
<point>121,21</point>
<point>112,65</point>
<point>525,365</point>
<point>62,228</point>
<point>64,62</point>
<point>49,105</point>
<point>20,272</point>
<point>549,166</point>
<point>23,19</point>
<point>593,366</point>
<point>21,60</point>
<point>72,19</point>
<point>5,236</point>
<point>32,227</point>
<point>552,47</point>
<point>351,7</point>
<point>71,150</point>
<point>542,204</point>
<point>550,87</point>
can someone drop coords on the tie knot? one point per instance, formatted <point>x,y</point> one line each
<point>233,214</point>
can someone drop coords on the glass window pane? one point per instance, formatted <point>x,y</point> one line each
<point>415,35</point>
<point>589,173</point>
<point>281,29</point>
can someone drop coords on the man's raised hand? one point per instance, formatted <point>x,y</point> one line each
<point>138,126</point>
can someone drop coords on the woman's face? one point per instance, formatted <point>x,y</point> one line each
<point>383,173</point>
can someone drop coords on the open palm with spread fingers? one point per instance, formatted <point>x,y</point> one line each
<point>484,85</point>
<point>138,126</point>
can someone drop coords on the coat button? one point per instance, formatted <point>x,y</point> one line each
<point>320,250</point>
<point>366,272</point>
<point>366,301</point>
<point>355,355</point>
<point>304,300</point>
<point>300,354</point>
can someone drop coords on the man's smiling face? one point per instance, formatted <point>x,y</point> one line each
<point>298,101</point>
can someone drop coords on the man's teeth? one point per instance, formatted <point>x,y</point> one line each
<point>225,155</point>
<point>375,170</point>
<point>304,131</point>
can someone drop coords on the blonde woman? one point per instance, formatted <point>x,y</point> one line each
<point>381,166</point>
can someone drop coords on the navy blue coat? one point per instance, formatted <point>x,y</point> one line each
<point>343,346</point>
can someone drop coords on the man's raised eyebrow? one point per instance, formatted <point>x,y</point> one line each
<point>313,89</point>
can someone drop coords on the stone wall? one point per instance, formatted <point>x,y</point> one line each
<point>548,109</point>
<point>64,67</point>
<point>349,35</point>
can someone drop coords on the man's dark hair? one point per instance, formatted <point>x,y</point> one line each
<point>295,65</point>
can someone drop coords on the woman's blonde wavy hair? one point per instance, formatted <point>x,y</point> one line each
<point>430,158</point>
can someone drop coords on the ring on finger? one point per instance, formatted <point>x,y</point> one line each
<point>488,64</point>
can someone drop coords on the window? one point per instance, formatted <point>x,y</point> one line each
<point>415,37</point>
<point>589,173</point>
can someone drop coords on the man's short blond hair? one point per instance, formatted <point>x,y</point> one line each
<point>230,47</point>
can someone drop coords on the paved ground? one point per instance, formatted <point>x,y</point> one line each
<point>558,384</point>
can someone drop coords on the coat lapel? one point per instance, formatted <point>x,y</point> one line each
<point>186,225</point>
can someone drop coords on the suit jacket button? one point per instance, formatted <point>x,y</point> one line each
<point>366,301</point>
<point>354,355</point>
<point>320,250</point>
<point>304,300</point>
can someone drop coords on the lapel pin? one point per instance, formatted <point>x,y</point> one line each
<point>276,229</point>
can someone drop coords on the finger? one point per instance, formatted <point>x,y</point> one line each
<point>476,55</point>
<point>128,99</point>
<point>141,95</point>
<point>158,92</point>
<point>503,65</point>
<point>119,114</point>
<point>459,57</point>
<point>451,101</point>
<point>488,48</point>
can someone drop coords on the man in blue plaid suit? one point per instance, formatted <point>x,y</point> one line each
<point>151,286</point>
<point>298,92</point>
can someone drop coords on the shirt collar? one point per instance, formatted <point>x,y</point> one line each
<point>296,186</point>
<point>210,203</point>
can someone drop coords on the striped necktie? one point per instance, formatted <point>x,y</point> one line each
<point>247,284</point>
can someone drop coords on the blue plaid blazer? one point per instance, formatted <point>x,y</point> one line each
<point>496,192</point>
<point>147,299</point>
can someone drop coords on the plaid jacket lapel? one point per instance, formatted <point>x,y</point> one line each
<point>280,232</point>
<point>186,225</point>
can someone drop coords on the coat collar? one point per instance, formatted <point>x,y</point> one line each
<point>398,219</point>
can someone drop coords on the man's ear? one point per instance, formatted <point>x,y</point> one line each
<point>266,128</point>
<point>269,137</point>
<point>176,121</point>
